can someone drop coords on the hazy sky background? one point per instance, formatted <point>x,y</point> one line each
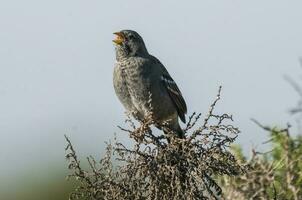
<point>57,59</point>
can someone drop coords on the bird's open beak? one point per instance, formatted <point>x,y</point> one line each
<point>120,38</point>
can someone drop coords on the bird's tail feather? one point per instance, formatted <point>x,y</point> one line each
<point>180,133</point>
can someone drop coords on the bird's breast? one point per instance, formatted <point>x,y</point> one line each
<point>138,84</point>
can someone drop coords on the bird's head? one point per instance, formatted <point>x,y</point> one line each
<point>129,43</point>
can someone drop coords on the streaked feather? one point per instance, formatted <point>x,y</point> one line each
<point>175,95</point>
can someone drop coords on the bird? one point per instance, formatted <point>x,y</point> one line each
<point>143,84</point>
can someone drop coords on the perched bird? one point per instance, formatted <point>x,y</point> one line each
<point>140,79</point>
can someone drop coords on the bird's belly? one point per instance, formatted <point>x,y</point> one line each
<point>146,100</point>
<point>121,90</point>
<point>139,92</point>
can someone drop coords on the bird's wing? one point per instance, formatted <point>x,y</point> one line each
<point>175,95</point>
<point>173,91</point>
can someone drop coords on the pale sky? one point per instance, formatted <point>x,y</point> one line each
<point>57,59</point>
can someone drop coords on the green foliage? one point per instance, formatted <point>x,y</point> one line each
<point>276,174</point>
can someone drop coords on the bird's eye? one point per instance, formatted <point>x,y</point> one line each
<point>131,37</point>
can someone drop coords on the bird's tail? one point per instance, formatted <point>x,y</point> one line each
<point>179,132</point>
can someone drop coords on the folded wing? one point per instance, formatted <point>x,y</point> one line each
<point>175,95</point>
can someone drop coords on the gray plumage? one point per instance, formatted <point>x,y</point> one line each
<point>137,74</point>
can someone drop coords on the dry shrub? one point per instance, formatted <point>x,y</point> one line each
<point>162,167</point>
